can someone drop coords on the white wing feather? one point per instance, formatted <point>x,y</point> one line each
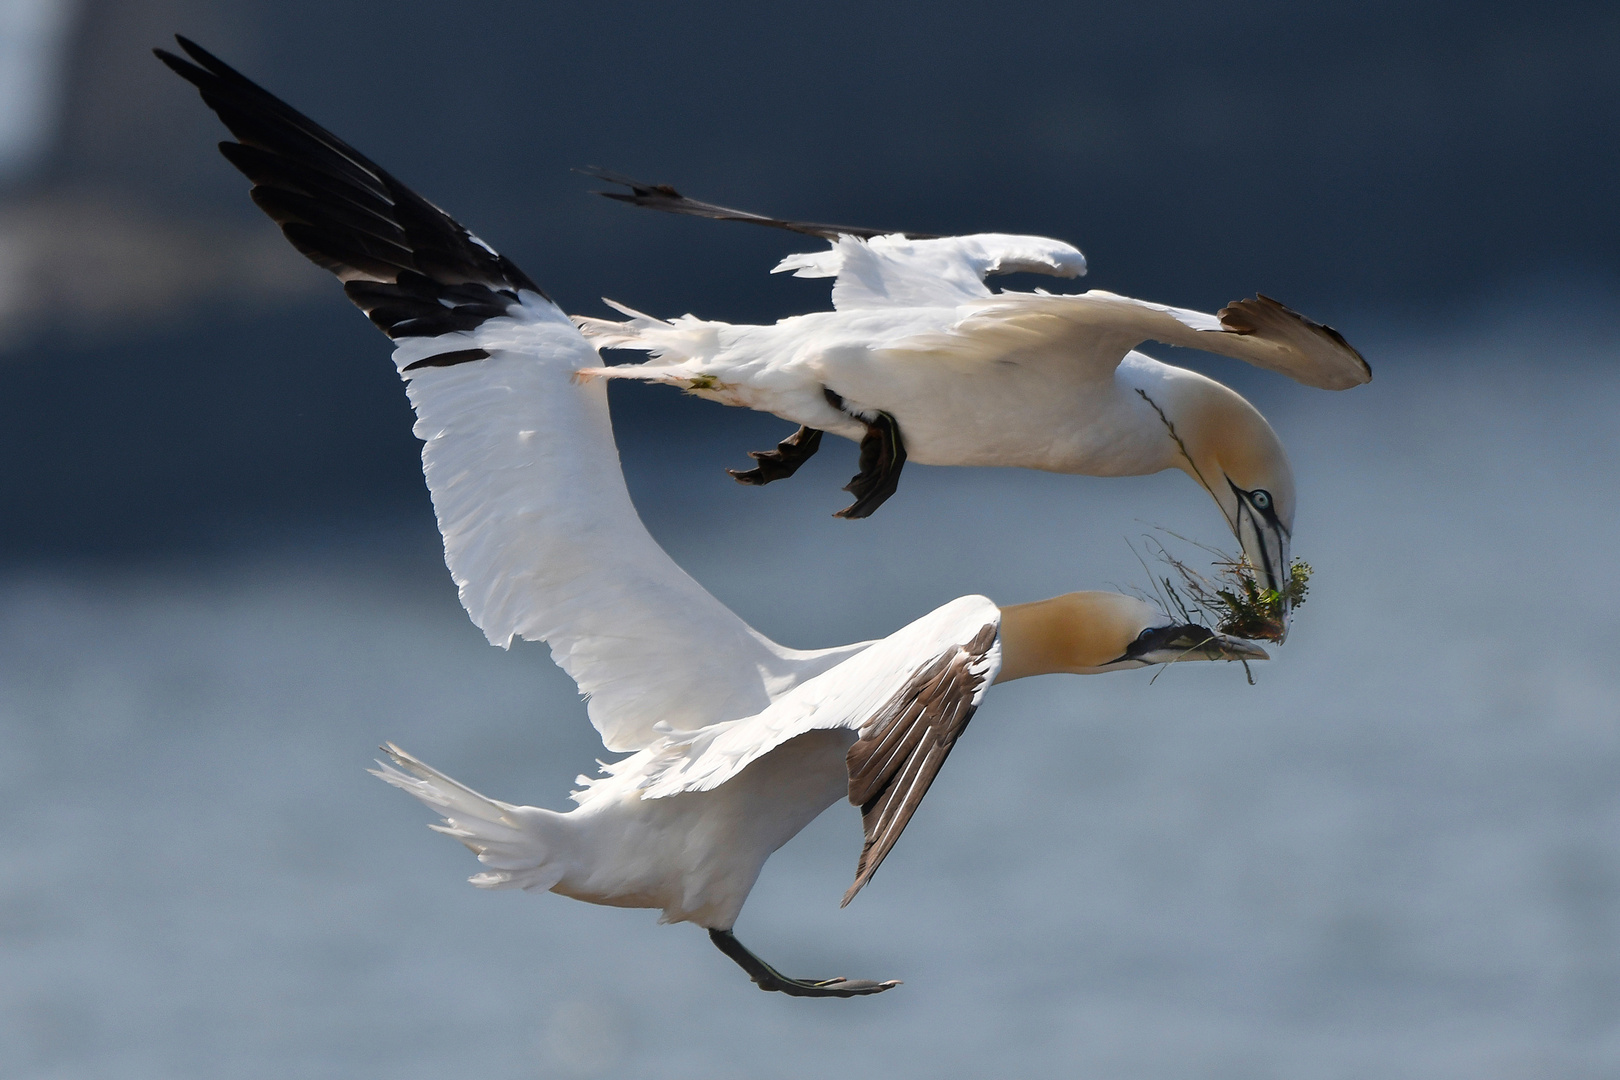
<point>892,271</point>
<point>846,697</point>
<point>543,542</point>
<point>539,532</point>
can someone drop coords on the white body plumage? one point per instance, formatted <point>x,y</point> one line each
<point>1030,380</point>
<point>737,744</point>
<point>734,742</point>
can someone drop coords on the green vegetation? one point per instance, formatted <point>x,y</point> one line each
<point>1233,600</point>
<point>1248,611</point>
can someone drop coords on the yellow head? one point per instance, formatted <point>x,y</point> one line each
<point>1227,446</point>
<point>1084,633</point>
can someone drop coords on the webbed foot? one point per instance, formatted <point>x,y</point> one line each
<point>783,462</point>
<point>768,978</point>
<point>883,455</point>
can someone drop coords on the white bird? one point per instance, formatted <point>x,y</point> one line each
<point>735,743</point>
<point>920,360</point>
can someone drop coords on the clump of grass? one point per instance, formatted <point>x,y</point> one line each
<point>1248,611</point>
<point>1233,598</point>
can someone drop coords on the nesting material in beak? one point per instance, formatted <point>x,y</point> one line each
<point>1236,600</point>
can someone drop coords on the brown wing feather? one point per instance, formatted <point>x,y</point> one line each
<point>1329,361</point>
<point>901,749</point>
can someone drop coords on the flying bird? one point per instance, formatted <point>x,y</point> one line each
<point>734,742</point>
<point>919,360</point>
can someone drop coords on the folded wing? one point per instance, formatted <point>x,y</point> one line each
<point>539,531</point>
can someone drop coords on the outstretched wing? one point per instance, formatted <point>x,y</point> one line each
<point>1098,328</point>
<point>908,698</point>
<point>871,269</point>
<point>894,271</point>
<point>665,198</point>
<point>878,268</point>
<point>539,531</point>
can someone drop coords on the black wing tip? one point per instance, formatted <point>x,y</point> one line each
<point>203,57</point>
<point>201,67</point>
<point>664,197</point>
<point>181,67</point>
<point>640,192</point>
<point>637,187</point>
<point>416,271</point>
<point>197,58</point>
<point>640,198</point>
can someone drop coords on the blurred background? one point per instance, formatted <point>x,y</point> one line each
<point>220,585</point>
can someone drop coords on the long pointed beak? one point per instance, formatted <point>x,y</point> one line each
<point>1265,544</point>
<point>1190,641</point>
<point>1231,648</point>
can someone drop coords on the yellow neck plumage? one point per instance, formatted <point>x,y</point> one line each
<point>1223,439</point>
<point>1077,633</point>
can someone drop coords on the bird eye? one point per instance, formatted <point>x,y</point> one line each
<point>1261,498</point>
<point>1144,635</point>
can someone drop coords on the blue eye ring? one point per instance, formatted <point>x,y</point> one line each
<point>1261,498</point>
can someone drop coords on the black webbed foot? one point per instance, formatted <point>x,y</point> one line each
<point>768,978</point>
<point>783,462</point>
<point>883,454</point>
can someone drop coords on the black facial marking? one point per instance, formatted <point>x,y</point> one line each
<point>1178,636</point>
<point>1261,506</point>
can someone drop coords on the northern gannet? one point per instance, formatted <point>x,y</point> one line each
<point>920,360</point>
<point>735,743</point>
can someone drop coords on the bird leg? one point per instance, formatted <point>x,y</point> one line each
<point>883,454</point>
<point>783,462</point>
<point>768,978</point>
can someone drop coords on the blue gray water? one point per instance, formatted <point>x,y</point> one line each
<point>1398,855</point>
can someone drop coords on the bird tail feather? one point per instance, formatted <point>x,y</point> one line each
<point>638,331</point>
<point>523,846</point>
<point>675,346</point>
